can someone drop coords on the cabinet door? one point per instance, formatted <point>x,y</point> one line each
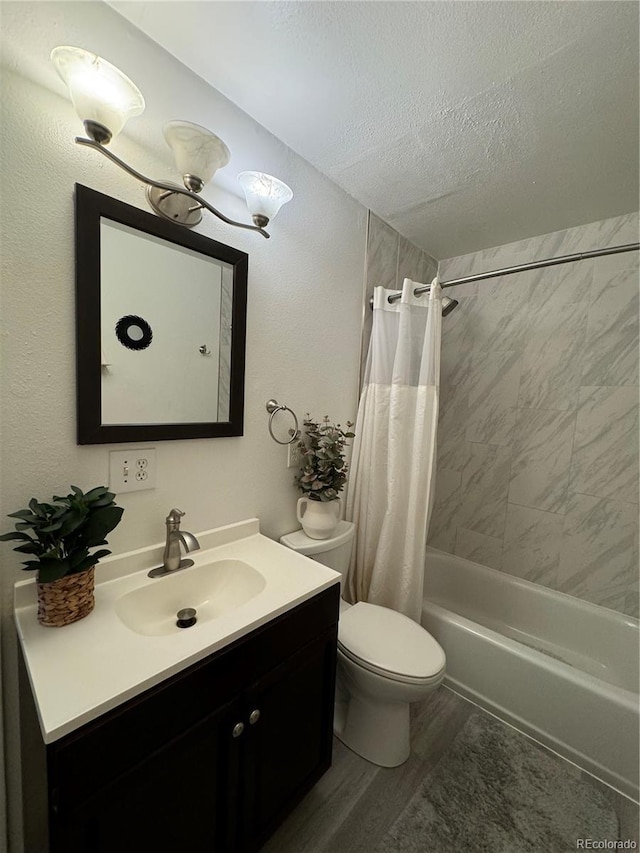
<point>176,799</point>
<point>288,744</point>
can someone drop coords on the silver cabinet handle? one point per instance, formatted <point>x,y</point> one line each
<point>238,729</point>
<point>254,716</point>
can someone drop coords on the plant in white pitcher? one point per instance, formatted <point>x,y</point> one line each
<point>323,476</point>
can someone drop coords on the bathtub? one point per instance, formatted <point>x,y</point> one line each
<point>562,670</point>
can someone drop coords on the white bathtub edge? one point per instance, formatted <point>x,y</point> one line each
<point>625,697</point>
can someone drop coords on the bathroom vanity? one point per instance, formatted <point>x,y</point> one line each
<point>210,757</point>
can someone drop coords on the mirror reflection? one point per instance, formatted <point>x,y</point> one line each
<point>165,345</point>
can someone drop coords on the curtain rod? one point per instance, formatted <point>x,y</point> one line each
<point>534,265</point>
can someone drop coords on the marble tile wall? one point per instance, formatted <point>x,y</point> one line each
<point>390,259</point>
<point>226,318</point>
<point>538,431</point>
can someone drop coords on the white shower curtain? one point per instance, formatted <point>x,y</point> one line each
<point>392,478</point>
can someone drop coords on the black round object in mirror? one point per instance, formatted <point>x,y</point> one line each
<point>133,332</point>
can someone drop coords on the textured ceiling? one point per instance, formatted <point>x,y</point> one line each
<point>462,124</point>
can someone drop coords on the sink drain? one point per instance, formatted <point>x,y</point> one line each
<point>186,617</point>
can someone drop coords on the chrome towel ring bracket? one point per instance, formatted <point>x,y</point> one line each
<point>273,407</point>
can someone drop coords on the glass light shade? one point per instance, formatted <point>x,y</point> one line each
<point>197,151</point>
<point>99,91</point>
<point>265,194</point>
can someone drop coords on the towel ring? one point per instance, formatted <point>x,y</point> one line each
<point>273,407</point>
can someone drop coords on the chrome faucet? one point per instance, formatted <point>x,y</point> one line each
<point>171,559</point>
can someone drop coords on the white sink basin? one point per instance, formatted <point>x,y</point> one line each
<point>213,590</point>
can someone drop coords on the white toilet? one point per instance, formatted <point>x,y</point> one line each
<point>385,661</point>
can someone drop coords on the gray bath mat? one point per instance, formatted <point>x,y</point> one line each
<point>494,791</point>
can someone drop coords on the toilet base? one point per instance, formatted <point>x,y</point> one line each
<point>379,733</point>
<point>371,713</point>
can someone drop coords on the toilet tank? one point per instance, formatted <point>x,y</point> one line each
<point>334,552</point>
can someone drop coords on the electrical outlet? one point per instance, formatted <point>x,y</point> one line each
<point>132,470</point>
<point>294,456</point>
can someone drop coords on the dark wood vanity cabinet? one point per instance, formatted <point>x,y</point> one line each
<point>212,759</point>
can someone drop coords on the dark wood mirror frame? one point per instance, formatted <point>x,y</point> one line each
<point>90,208</point>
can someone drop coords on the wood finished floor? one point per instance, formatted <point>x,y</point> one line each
<point>355,803</point>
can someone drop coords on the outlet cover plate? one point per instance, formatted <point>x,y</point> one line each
<point>132,470</point>
<point>294,456</point>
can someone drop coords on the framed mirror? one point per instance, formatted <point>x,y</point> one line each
<point>160,327</point>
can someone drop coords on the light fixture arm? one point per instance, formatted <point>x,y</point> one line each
<point>200,202</point>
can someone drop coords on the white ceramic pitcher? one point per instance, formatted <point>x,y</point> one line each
<point>318,518</point>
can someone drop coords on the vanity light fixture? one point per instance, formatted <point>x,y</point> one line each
<point>104,99</point>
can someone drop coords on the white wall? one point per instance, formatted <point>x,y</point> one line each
<point>304,306</point>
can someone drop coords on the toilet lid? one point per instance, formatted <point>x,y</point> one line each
<point>388,641</point>
<point>303,544</point>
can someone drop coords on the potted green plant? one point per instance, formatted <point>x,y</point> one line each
<point>57,537</point>
<point>322,476</point>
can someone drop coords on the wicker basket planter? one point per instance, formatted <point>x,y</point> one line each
<point>66,600</point>
<point>58,538</point>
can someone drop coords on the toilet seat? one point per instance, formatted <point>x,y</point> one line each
<point>389,676</point>
<point>389,644</point>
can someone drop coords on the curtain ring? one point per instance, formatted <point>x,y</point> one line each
<point>273,407</point>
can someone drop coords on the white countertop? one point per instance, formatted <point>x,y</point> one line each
<point>91,666</point>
